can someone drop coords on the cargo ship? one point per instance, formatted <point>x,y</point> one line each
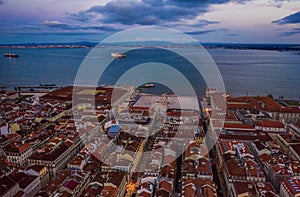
<point>118,55</point>
<point>11,55</point>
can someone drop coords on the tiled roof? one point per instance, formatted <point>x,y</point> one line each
<point>192,186</point>
<point>259,145</point>
<point>238,126</point>
<point>296,148</point>
<point>255,189</point>
<point>292,185</point>
<point>71,184</point>
<point>23,179</point>
<point>6,184</point>
<point>270,123</point>
<point>53,155</point>
<point>17,147</point>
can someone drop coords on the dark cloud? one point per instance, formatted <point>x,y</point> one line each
<point>201,3</point>
<point>63,26</point>
<point>291,19</point>
<point>151,12</point>
<point>101,28</point>
<point>193,3</point>
<point>200,32</point>
<point>81,16</point>
<point>205,31</point>
<point>202,23</point>
<point>1,2</point>
<point>233,34</point>
<point>148,12</point>
<point>290,33</point>
<point>133,12</point>
<point>167,13</point>
<point>56,25</point>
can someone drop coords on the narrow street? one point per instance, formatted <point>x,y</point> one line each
<point>178,175</point>
<point>213,157</point>
<point>216,177</point>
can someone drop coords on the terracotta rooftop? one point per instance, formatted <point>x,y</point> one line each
<point>77,160</point>
<point>166,185</point>
<point>290,109</point>
<point>93,190</point>
<point>234,169</point>
<point>255,189</point>
<point>290,139</point>
<point>271,123</point>
<point>71,184</point>
<point>198,167</point>
<point>259,145</point>
<point>292,186</point>
<point>257,102</point>
<point>17,147</point>
<point>264,137</point>
<point>192,187</point>
<point>196,148</point>
<point>6,184</point>
<point>296,148</point>
<point>23,179</point>
<point>50,156</point>
<point>295,168</point>
<point>226,146</point>
<point>233,126</point>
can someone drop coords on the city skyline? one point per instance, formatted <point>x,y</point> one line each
<point>224,21</point>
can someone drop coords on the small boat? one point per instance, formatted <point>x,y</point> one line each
<point>149,85</point>
<point>47,85</point>
<point>11,55</point>
<point>118,55</point>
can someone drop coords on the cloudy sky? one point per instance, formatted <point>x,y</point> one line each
<point>226,21</point>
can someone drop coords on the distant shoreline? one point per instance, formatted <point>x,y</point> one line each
<point>273,47</point>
